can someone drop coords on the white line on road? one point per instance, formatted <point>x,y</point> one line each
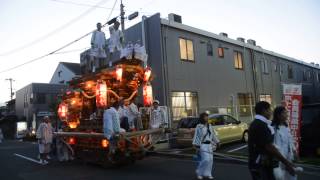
<point>27,158</point>
<point>236,149</point>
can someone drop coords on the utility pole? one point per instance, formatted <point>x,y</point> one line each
<point>11,93</point>
<point>122,16</point>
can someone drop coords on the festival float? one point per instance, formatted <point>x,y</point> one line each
<point>82,105</point>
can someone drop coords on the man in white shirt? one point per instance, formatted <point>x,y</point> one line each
<point>111,121</point>
<point>116,38</point>
<point>98,43</point>
<point>157,116</point>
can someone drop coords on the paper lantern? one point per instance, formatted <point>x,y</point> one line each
<point>119,71</point>
<point>62,110</point>
<point>147,74</point>
<point>101,94</point>
<point>147,94</point>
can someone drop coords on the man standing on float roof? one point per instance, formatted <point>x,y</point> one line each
<point>98,43</point>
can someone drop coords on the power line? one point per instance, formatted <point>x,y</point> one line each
<point>53,32</point>
<point>55,51</point>
<point>70,51</point>
<point>90,5</point>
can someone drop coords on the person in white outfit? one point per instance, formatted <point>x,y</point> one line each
<point>284,142</point>
<point>133,115</point>
<point>98,43</point>
<point>44,136</point>
<point>205,141</point>
<point>157,116</point>
<point>111,121</point>
<point>116,38</point>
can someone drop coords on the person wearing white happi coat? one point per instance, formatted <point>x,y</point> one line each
<point>98,43</point>
<point>284,142</point>
<point>132,113</point>
<point>205,140</point>
<point>157,116</point>
<point>111,121</point>
<point>116,38</point>
<point>44,136</point>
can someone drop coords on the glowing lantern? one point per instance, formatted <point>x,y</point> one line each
<point>147,94</point>
<point>73,124</point>
<point>62,110</point>
<point>72,141</point>
<point>104,143</point>
<point>119,71</point>
<point>147,74</point>
<point>101,94</point>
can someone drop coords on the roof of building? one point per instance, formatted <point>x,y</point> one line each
<point>232,41</point>
<point>74,67</point>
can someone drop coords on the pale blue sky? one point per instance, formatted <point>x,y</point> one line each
<point>289,27</point>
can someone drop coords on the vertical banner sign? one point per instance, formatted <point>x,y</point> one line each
<point>293,101</point>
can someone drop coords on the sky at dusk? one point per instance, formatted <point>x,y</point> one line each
<point>32,28</point>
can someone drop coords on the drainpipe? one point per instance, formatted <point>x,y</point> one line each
<point>143,35</point>
<point>254,75</point>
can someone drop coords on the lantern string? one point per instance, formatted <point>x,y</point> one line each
<point>87,96</point>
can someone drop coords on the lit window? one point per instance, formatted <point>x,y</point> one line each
<point>220,52</point>
<point>186,50</point>
<point>245,103</point>
<point>238,62</point>
<point>266,97</point>
<point>209,49</point>
<point>184,104</point>
<point>264,65</point>
<point>290,72</point>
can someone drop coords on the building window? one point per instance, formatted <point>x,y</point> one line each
<point>309,75</point>
<point>318,77</point>
<point>281,67</point>
<point>245,104</point>
<point>264,65</point>
<point>238,62</point>
<point>265,97</point>
<point>220,52</point>
<point>275,67</point>
<point>304,75</point>
<point>290,72</point>
<point>184,104</point>
<point>40,98</point>
<point>59,73</point>
<point>209,49</point>
<point>186,50</point>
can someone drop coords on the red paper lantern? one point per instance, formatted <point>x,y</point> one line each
<point>147,74</point>
<point>101,94</point>
<point>62,110</point>
<point>147,94</point>
<point>119,71</point>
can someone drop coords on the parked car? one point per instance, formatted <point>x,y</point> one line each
<point>228,129</point>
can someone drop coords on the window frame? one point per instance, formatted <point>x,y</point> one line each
<point>290,71</point>
<point>237,61</point>
<point>263,97</point>
<point>220,53</point>
<point>186,50</point>
<point>209,49</point>
<point>193,94</point>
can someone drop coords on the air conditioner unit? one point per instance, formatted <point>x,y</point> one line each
<point>251,41</point>
<point>241,39</point>
<point>223,34</point>
<point>175,18</point>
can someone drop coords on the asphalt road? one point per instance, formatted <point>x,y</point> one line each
<point>13,167</point>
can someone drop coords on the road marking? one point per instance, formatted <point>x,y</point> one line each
<point>27,158</point>
<point>236,149</point>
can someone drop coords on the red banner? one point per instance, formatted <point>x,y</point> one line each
<point>293,102</point>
